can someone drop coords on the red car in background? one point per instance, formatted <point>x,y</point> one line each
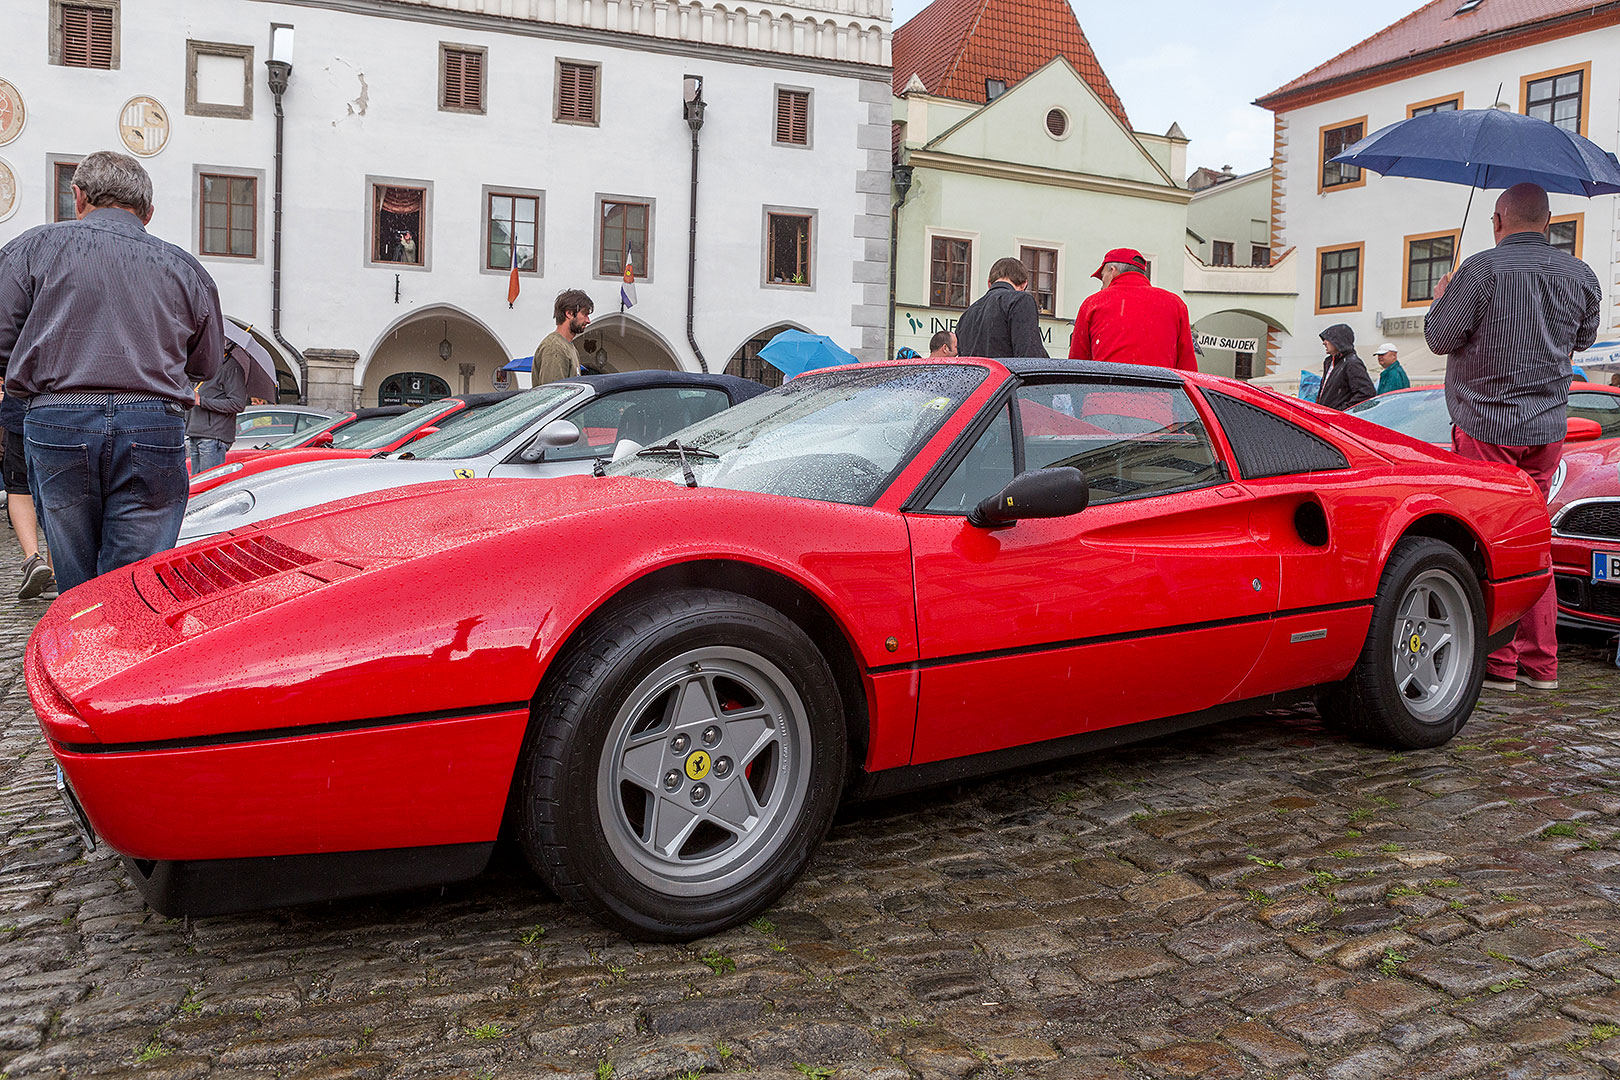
<point>365,434</point>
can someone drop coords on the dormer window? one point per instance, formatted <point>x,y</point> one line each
<point>994,88</point>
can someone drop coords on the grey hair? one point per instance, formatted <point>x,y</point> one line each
<point>1122,267</point>
<point>112,179</point>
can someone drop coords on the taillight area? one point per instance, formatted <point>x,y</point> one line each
<point>58,719</point>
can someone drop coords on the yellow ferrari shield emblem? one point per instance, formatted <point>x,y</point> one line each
<point>465,474</point>
<point>1416,641</point>
<point>697,766</point>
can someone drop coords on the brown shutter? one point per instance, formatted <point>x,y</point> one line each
<point>463,79</point>
<point>576,93</point>
<point>452,79</point>
<point>793,117</point>
<point>87,36</point>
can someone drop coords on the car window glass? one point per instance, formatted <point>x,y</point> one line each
<point>1130,441</point>
<point>642,416</point>
<point>987,468</point>
<point>375,432</point>
<point>493,426</point>
<point>1603,408</point>
<point>261,426</point>
<point>1422,414</point>
<point>305,421</point>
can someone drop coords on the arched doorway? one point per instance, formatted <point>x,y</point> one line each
<point>1232,342</point>
<point>438,351</point>
<point>745,362</point>
<point>621,342</point>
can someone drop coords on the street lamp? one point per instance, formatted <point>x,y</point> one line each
<point>280,62</point>
<point>902,182</point>
<point>279,71</point>
<point>444,343</point>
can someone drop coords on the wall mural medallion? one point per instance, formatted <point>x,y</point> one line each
<point>8,190</point>
<point>13,113</point>
<point>144,126</point>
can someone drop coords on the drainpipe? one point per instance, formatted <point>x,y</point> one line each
<point>692,111</point>
<point>280,73</point>
<point>902,185</point>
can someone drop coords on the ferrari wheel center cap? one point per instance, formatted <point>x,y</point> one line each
<point>1416,643</point>
<point>697,765</point>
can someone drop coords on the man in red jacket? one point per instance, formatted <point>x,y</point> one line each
<point>1130,321</point>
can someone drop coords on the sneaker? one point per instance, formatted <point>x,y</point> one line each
<point>1496,682</point>
<point>1539,684</point>
<point>36,574</point>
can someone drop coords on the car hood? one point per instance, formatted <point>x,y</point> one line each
<point>1591,471</point>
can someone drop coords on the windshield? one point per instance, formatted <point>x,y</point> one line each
<point>836,436</point>
<point>1422,414</point>
<point>493,426</point>
<point>292,439</point>
<point>376,432</point>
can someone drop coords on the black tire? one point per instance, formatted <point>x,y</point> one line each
<point>601,725</point>
<point>1387,700</point>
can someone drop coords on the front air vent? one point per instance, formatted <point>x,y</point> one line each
<point>196,574</point>
<point>1599,519</point>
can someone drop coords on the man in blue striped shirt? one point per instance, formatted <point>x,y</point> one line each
<point>1508,320</point>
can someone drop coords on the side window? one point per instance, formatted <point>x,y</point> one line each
<point>642,416</point>
<point>1603,408</point>
<point>306,421</point>
<point>1130,441</point>
<point>987,469</point>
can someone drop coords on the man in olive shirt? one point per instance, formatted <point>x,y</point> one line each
<point>556,358</point>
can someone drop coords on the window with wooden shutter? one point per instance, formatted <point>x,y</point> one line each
<point>793,117</point>
<point>87,35</point>
<point>461,78</point>
<point>576,92</point>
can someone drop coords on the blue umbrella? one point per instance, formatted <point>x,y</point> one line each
<point>1487,148</point>
<point>521,363</point>
<point>794,352</point>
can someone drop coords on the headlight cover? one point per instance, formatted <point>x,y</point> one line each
<point>1557,480</point>
<point>205,511</point>
<point>218,471</point>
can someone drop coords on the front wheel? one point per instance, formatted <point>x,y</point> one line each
<point>1420,671</point>
<point>683,763</point>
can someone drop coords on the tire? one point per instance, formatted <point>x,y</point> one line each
<point>1419,673</point>
<point>684,759</point>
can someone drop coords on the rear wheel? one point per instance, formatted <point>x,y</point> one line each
<point>683,764</point>
<point>1419,673</point>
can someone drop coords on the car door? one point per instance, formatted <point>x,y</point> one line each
<point>1599,406</point>
<point>643,416</point>
<point>1152,602</point>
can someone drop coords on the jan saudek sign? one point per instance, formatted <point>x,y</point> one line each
<point>1235,344</point>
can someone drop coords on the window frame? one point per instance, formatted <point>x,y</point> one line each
<point>1406,263</point>
<point>1579,221</point>
<point>1360,248</point>
<point>1429,104</point>
<point>54,163</point>
<point>1255,249</point>
<point>424,242</point>
<point>480,51</point>
<point>810,275</point>
<point>1054,250</point>
<point>58,46</point>
<point>972,241</point>
<point>643,273</point>
<point>1553,74</point>
<point>778,95</point>
<point>506,190</point>
<point>198,173</point>
<point>596,92</point>
<point>196,49</point>
<point>1322,187</point>
<point>1215,252</point>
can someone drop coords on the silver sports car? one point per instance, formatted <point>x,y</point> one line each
<point>552,430</point>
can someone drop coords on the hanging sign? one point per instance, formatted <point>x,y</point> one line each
<point>1235,344</point>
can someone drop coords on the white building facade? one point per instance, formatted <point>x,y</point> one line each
<point>1371,247</point>
<point>429,143</point>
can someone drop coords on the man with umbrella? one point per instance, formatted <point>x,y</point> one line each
<point>211,425</point>
<point>1508,320</point>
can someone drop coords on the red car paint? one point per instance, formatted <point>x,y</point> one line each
<point>1586,510</point>
<point>358,676</point>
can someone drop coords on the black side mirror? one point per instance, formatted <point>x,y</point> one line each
<point>1044,493</point>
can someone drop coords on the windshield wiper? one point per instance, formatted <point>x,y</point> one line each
<point>674,447</point>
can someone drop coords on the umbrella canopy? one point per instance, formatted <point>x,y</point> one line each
<point>520,363</point>
<point>1487,148</point>
<point>794,352</point>
<point>255,360</point>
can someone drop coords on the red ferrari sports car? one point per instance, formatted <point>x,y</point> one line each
<point>662,679</point>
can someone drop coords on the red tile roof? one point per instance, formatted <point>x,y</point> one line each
<point>953,46</point>
<point>1441,26</point>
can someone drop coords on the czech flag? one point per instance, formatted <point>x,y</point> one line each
<point>627,291</point>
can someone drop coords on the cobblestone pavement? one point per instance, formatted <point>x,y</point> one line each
<point>1258,899</point>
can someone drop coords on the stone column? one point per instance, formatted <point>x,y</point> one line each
<point>331,377</point>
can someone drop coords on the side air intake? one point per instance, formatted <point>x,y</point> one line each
<point>1268,445</point>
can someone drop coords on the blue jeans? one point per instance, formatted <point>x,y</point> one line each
<point>109,482</point>
<point>206,453</point>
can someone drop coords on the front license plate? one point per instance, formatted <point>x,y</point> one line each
<point>81,821</point>
<point>1606,566</point>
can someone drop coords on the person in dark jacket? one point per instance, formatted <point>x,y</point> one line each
<point>1006,320</point>
<point>211,427</point>
<point>1345,381</point>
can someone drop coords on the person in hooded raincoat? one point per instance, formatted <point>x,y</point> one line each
<point>1345,381</point>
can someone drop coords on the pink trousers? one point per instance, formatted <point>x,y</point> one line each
<point>1534,649</point>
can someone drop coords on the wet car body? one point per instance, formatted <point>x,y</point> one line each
<point>664,679</point>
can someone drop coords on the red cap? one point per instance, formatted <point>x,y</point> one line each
<point>1129,256</point>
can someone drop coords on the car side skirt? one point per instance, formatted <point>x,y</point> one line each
<point>227,886</point>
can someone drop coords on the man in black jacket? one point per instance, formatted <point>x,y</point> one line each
<point>1344,377</point>
<point>1004,322</point>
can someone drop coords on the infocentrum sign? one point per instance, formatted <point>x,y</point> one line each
<point>1234,344</point>
<point>915,327</point>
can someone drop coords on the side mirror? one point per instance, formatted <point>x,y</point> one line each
<point>556,433</point>
<point>323,439</point>
<point>424,433</point>
<point>625,448</point>
<point>1043,493</point>
<point>1580,429</point>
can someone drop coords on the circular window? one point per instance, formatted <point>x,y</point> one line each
<point>1057,123</point>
